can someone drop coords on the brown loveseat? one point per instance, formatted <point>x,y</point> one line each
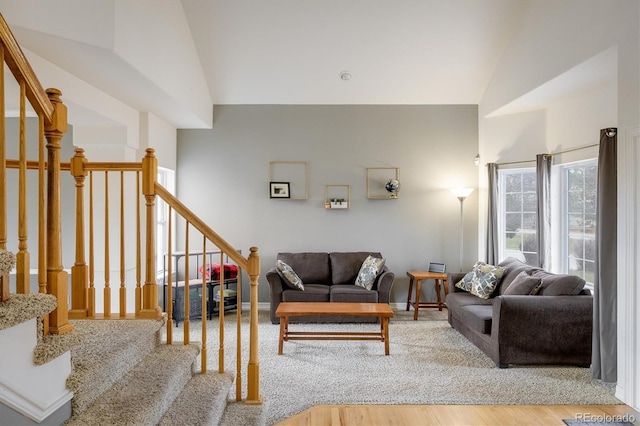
<point>328,277</point>
<point>552,327</point>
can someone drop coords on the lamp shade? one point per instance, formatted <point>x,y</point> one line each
<point>461,192</point>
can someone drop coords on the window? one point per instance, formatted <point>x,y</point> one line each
<point>518,207</point>
<point>166,178</point>
<point>579,188</point>
<point>573,216</point>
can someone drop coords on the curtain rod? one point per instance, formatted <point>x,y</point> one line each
<point>515,162</point>
<point>575,149</point>
<point>553,153</point>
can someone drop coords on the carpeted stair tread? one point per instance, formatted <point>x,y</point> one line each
<point>108,351</point>
<point>240,413</point>
<point>23,307</point>
<point>201,402</point>
<point>145,393</point>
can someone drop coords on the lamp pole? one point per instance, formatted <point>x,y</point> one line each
<point>461,194</point>
<point>461,230</point>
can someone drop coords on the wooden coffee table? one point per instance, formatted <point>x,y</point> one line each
<point>293,309</point>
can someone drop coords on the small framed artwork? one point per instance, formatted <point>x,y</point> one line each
<point>295,173</point>
<point>279,190</point>
<point>437,267</point>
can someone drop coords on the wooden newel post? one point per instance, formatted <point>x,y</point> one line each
<point>253,370</point>
<point>4,286</point>
<point>150,308</point>
<point>57,279</point>
<point>79,271</point>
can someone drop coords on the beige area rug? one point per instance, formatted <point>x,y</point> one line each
<point>429,363</point>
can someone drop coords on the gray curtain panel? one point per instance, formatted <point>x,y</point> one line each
<point>604,351</point>
<point>543,189</point>
<point>492,216</point>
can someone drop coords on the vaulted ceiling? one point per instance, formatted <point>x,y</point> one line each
<point>397,52</point>
<point>178,58</point>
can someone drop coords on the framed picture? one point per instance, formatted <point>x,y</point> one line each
<point>437,267</point>
<point>279,190</point>
<point>295,173</point>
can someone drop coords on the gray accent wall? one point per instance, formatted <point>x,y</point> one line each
<point>223,176</point>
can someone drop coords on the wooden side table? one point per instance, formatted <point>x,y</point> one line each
<point>418,276</point>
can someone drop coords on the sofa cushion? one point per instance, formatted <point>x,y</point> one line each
<point>523,284</point>
<point>559,284</point>
<point>311,293</point>
<point>345,266</point>
<point>310,267</point>
<point>369,271</point>
<point>513,267</point>
<point>352,294</point>
<point>481,280</point>
<point>289,276</point>
<point>477,317</point>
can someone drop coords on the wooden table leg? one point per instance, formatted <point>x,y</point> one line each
<point>283,322</point>
<point>445,284</point>
<point>416,305</point>
<point>438,297</point>
<point>385,333</point>
<point>409,293</point>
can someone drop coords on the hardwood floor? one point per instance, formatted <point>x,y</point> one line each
<point>450,415</point>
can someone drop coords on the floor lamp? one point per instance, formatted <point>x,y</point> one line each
<point>461,194</point>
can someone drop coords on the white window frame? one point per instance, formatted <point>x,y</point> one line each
<point>166,178</point>
<point>564,218</point>
<point>502,174</point>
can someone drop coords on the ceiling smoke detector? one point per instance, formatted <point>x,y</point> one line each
<point>345,76</point>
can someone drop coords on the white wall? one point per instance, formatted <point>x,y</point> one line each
<point>554,38</point>
<point>179,74</point>
<point>575,120</point>
<point>222,175</point>
<point>161,136</point>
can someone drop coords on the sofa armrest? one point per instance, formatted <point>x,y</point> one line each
<point>276,286</point>
<point>543,328</point>
<point>384,283</point>
<point>452,279</point>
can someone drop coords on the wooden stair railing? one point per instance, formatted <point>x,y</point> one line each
<point>84,283</point>
<point>52,115</point>
<point>83,275</point>
<point>251,265</point>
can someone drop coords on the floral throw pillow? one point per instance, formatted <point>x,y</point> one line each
<point>482,280</point>
<point>289,276</point>
<point>369,270</point>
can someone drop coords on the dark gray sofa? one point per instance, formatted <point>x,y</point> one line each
<point>328,277</point>
<point>548,328</point>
